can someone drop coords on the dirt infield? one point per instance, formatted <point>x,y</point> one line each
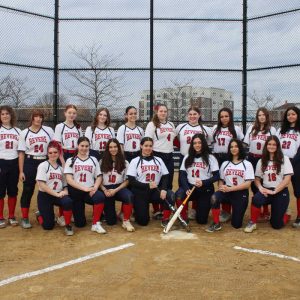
<point>153,268</point>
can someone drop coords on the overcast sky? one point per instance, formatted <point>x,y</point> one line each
<point>271,41</point>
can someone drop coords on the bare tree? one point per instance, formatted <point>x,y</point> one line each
<point>268,100</point>
<point>4,88</point>
<point>98,85</point>
<point>179,95</point>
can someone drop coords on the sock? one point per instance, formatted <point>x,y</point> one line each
<point>11,206</point>
<point>25,212</point>
<point>166,214</point>
<point>255,212</point>
<point>194,205</point>
<point>97,212</point>
<point>226,207</point>
<point>40,220</point>
<point>298,207</point>
<point>216,214</point>
<point>286,218</point>
<point>127,211</point>
<point>266,210</point>
<point>68,215</point>
<point>61,211</point>
<point>1,208</point>
<point>155,207</point>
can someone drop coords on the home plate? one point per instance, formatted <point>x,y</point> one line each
<point>178,235</point>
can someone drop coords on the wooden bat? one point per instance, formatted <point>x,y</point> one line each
<point>178,211</point>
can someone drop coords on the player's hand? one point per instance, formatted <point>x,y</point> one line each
<point>188,192</point>
<point>112,192</point>
<point>22,176</point>
<point>163,194</point>
<point>88,189</point>
<point>198,183</point>
<point>265,191</point>
<point>92,192</point>
<point>61,194</point>
<point>152,185</point>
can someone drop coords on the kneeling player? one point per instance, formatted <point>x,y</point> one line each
<point>272,177</point>
<point>53,190</point>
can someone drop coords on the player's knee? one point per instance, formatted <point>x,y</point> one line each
<point>142,221</point>
<point>276,225</point>
<point>48,226</point>
<point>214,201</point>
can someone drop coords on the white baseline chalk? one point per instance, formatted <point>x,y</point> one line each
<point>65,264</point>
<point>263,252</point>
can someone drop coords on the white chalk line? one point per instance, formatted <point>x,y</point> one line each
<point>263,252</point>
<point>65,264</point>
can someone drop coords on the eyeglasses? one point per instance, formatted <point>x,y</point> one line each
<point>55,152</point>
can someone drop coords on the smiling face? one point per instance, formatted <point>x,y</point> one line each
<point>272,146</point>
<point>162,113</point>
<point>70,114</point>
<point>234,149</point>
<point>147,148</point>
<point>292,117</point>
<point>131,115</point>
<point>261,118</point>
<point>53,154</point>
<point>193,117</point>
<point>102,118</point>
<point>83,148</point>
<point>113,149</point>
<point>224,118</point>
<point>197,144</point>
<point>5,117</point>
<point>37,121</point>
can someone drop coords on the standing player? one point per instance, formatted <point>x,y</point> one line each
<point>83,178</point>
<point>236,176</point>
<point>199,168</point>
<point>223,132</point>
<point>272,177</point>
<point>33,144</point>
<point>114,184</point>
<point>185,132</point>
<point>255,139</point>
<point>129,135</point>
<point>53,190</point>
<point>99,133</point>
<point>289,136</point>
<point>68,132</point>
<point>9,170</point>
<point>148,178</point>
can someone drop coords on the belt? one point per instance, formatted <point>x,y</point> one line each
<point>37,157</point>
<point>69,151</point>
<point>255,155</point>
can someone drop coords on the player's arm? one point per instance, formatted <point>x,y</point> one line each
<point>43,186</point>
<point>240,187</point>
<point>283,184</point>
<point>76,185</point>
<point>21,165</point>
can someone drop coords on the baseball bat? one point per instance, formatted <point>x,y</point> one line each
<point>178,211</point>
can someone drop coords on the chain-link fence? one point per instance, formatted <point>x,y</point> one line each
<point>238,54</point>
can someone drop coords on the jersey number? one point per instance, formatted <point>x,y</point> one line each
<point>272,176</point>
<point>234,181</point>
<point>134,145</point>
<point>103,145</point>
<point>258,146</point>
<point>82,177</point>
<point>73,144</point>
<point>112,178</point>
<point>169,137</point>
<point>188,139</point>
<point>196,173</point>
<point>38,148</point>
<point>9,145</point>
<point>286,144</point>
<point>221,141</point>
<point>55,184</point>
<point>150,177</point>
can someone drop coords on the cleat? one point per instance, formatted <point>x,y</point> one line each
<point>69,230</point>
<point>192,214</point>
<point>250,227</point>
<point>2,223</point>
<point>26,224</point>
<point>296,223</point>
<point>13,222</point>
<point>127,225</point>
<point>157,215</point>
<point>164,223</point>
<point>98,228</point>
<point>61,221</point>
<point>213,227</point>
<point>224,216</point>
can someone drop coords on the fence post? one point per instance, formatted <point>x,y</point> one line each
<point>244,76</point>
<point>151,56</point>
<point>56,68</point>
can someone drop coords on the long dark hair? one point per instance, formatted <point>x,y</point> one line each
<point>256,127</point>
<point>285,126</point>
<point>155,119</point>
<point>128,108</point>
<point>242,153</point>
<point>278,155</point>
<point>9,109</point>
<point>80,140</point>
<point>230,124</point>
<point>143,141</point>
<point>107,163</point>
<point>95,121</point>
<point>77,125</point>
<point>192,153</point>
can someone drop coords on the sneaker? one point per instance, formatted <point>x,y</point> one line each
<point>224,216</point>
<point>69,230</point>
<point>213,227</point>
<point>164,223</point>
<point>2,223</point>
<point>192,214</point>
<point>127,225</point>
<point>250,227</point>
<point>13,222</point>
<point>98,228</point>
<point>26,224</point>
<point>72,219</point>
<point>157,215</point>
<point>296,224</point>
<point>61,221</point>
